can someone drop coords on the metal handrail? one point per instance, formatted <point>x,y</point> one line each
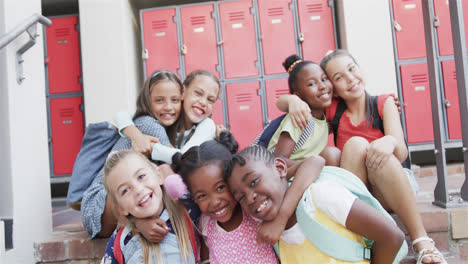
<point>25,25</point>
<point>28,25</point>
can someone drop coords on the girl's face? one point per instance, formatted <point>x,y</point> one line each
<point>259,188</point>
<point>211,193</point>
<point>346,77</point>
<point>137,187</point>
<point>166,102</point>
<point>314,87</point>
<point>199,98</point>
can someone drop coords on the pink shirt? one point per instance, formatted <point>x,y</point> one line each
<point>237,246</point>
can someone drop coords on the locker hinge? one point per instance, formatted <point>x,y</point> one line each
<point>81,107</point>
<point>80,80</point>
<point>436,22</point>
<point>50,139</point>
<point>46,60</point>
<point>144,54</point>
<point>396,25</point>
<point>77,27</point>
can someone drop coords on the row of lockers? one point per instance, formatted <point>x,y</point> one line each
<point>236,39</point>
<point>410,52</point>
<point>409,28</point>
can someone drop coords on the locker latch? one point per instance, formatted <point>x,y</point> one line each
<point>221,42</point>
<point>145,55</point>
<point>436,22</point>
<point>397,26</point>
<point>183,50</point>
<point>301,37</point>
<point>447,103</point>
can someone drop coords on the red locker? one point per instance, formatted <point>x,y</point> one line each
<point>451,96</point>
<point>417,98</point>
<point>160,40</point>
<point>274,89</point>
<point>63,52</point>
<point>277,34</point>
<point>217,114</point>
<point>245,112</point>
<point>67,132</point>
<point>409,29</point>
<point>316,23</point>
<point>238,35</point>
<point>199,38</point>
<point>444,30</point>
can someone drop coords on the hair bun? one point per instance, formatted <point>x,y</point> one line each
<point>226,139</point>
<point>176,162</point>
<point>290,60</point>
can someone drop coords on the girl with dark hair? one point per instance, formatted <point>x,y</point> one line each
<point>230,232</point>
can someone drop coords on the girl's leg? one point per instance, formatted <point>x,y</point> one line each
<point>390,185</point>
<point>353,157</point>
<point>332,156</point>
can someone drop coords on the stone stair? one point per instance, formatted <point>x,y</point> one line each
<point>448,227</point>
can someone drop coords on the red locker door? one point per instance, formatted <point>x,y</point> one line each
<point>274,89</point>
<point>409,31</point>
<point>444,30</point>
<point>199,35</point>
<point>245,112</point>
<point>239,43</point>
<point>217,114</point>
<point>160,40</point>
<point>451,96</point>
<point>63,51</point>
<point>277,34</point>
<point>316,22</point>
<point>417,98</point>
<point>67,132</point>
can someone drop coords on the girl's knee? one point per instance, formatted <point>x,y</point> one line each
<point>356,145</point>
<point>332,156</point>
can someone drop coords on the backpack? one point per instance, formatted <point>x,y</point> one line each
<point>98,140</point>
<point>377,122</point>
<point>264,138</point>
<point>329,242</point>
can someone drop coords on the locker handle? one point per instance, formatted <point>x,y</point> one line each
<point>447,103</point>
<point>183,50</point>
<point>221,42</point>
<point>436,22</point>
<point>301,37</point>
<point>397,26</point>
<point>145,54</point>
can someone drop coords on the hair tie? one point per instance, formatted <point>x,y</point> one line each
<point>292,65</point>
<point>158,72</point>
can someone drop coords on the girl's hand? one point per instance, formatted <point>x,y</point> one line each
<point>379,152</point>
<point>270,232</point>
<point>153,229</point>
<point>299,111</point>
<point>219,129</point>
<point>144,144</point>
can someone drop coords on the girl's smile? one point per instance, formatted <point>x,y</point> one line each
<point>199,99</point>
<point>166,102</point>
<point>346,77</point>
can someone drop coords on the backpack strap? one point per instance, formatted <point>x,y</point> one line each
<point>340,109</point>
<point>191,232</point>
<point>264,138</point>
<point>117,249</point>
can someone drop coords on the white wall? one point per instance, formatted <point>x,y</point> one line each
<point>24,162</point>
<point>110,53</point>
<point>366,31</point>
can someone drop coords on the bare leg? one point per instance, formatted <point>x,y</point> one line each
<point>353,157</point>
<point>332,156</point>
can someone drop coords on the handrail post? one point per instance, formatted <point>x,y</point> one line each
<point>459,47</point>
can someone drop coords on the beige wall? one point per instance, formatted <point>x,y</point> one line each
<point>110,53</point>
<point>24,162</point>
<point>366,31</point>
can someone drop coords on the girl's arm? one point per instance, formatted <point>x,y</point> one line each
<point>140,142</point>
<point>296,107</point>
<point>392,143</point>
<point>306,172</point>
<point>365,220</point>
<point>205,130</point>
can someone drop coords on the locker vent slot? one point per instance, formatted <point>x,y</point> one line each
<point>280,92</point>
<point>158,24</point>
<point>66,112</point>
<point>197,20</point>
<point>240,98</point>
<point>454,75</point>
<point>419,78</point>
<point>314,8</point>
<point>236,16</point>
<point>62,32</point>
<point>275,11</point>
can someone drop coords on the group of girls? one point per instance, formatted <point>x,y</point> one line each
<point>244,197</point>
